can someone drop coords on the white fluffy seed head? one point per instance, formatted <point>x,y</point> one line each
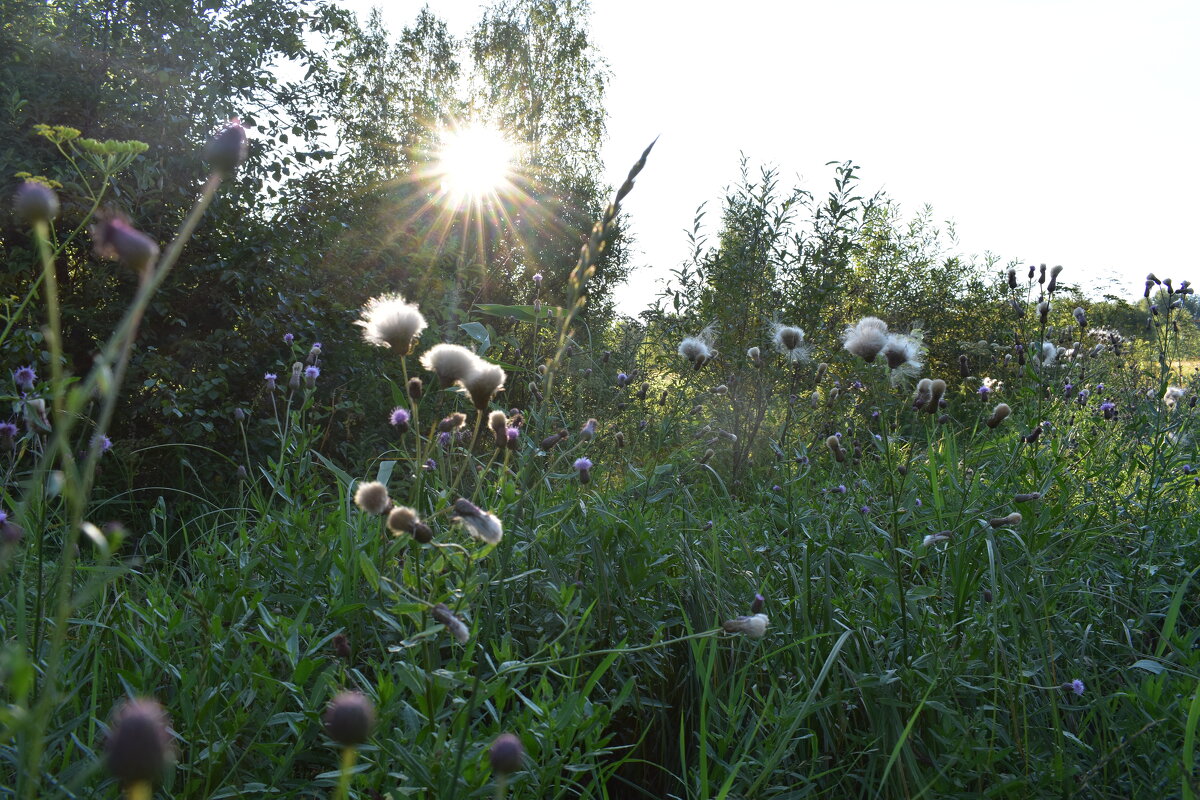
<point>372,497</point>
<point>450,362</point>
<point>789,340</point>
<point>904,355</point>
<point>390,321</point>
<point>483,382</point>
<point>866,338</point>
<point>754,626</point>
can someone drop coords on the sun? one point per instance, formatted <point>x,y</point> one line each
<point>474,162</point>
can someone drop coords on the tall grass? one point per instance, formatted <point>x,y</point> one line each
<point>891,667</point>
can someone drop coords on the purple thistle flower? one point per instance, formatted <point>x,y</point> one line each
<point>429,465</point>
<point>984,391</point>
<point>400,416</point>
<point>1082,398</point>
<point>288,338</point>
<point>857,385</point>
<point>622,380</point>
<point>443,439</point>
<point>1076,686</point>
<point>312,372</point>
<point>3,517</point>
<point>512,434</point>
<point>8,430</point>
<point>104,442</point>
<point>777,488</point>
<point>318,345</point>
<point>839,489</point>
<point>918,502</point>
<point>537,278</point>
<point>270,378</point>
<point>583,464</point>
<point>865,509</point>
<point>25,378</point>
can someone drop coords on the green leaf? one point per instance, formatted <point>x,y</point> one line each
<point>479,333</point>
<point>522,313</point>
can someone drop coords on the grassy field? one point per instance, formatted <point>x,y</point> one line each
<point>956,599</point>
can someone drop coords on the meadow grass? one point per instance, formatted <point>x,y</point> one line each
<point>955,609</point>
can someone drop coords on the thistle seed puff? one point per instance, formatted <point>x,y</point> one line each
<point>999,414</point>
<point>483,383</point>
<point>138,745</point>
<point>924,393</point>
<point>390,321</point>
<point>457,628</point>
<point>789,341</point>
<point>588,431</point>
<point>755,356</point>
<point>754,626</point>
<point>903,354</point>
<point>482,525</point>
<point>350,719</point>
<point>415,388</point>
<point>498,424</point>
<point>372,497</point>
<point>866,338</point>
<point>451,363</point>
<point>938,391</point>
<point>402,519</point>
<point>452,422</point>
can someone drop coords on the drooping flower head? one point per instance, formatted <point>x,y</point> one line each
<point>390,321</point>
<point>458,629</point>
<point>754,626</point>
<point>482,525</point>
<point>117,240</point>
<point>866,338</point>
<point>789,341</point>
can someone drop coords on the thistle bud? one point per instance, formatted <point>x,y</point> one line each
<point>1028,497</point>
<point>708,454</point>
<point>1080,317</point>
<point>619,438</point>
<point>226,151</point>
<point>415,388</point>
<point>964,365</point>
<point>349,719</point>
<point>1011,521</point>
<point>506,754</point>
<point>117,240</point>
<point>1012,277</point>
<point>35,202</point>
<point>1043,309</point>
<point>138,746</point>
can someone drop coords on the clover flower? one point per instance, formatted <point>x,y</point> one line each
<point>390,321</point>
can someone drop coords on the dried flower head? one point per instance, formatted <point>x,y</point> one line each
<point>904,355</point>
<point>390,321</point>
<point>372,497</point>
<point>450,362</point>
<point>835,446</point>
<point>754,625</point>
<point>866,338</point>
<point>588,431</point>
<point>999,414</point>
<point>1080,316</point>
<point>1049,353</point>
<point>934,538</point>
<point>482,525</point>
<point>483,382</point>
<point>402,519</point>
<point>498,424</point>
<point>1011,521</point>
<point>350,718</point>
<point>923,394</point>
<point>138,745</point>
<point>755,356</point>
<point>789,341</point>
<point>937,388</point>
<point>1173,395</point>
<point>452,422</point>
<point>458,629</point>
<point>698,349</point>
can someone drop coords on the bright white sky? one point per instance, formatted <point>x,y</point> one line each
<point>1063,131</point>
